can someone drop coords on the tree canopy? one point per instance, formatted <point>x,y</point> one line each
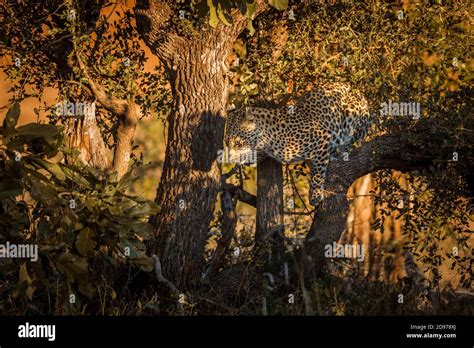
<point>66,181</point>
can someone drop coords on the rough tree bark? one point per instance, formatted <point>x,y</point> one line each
<point>84,134</point>
<point>270,227</point>
<point>191,175</point>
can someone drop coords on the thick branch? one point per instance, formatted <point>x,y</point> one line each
<point>158,29</point>
<point>153,23</point>
<point>406,150</point>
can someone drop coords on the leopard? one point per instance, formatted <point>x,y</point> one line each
<point>322,124</point>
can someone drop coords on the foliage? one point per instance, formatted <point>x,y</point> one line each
<point>39,40</point>
<point>81,218</point>
<point>399,52</point>
<point>220,11</point>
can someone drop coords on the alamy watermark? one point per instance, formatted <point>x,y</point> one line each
<point>400,109</point>
<point>21,251</point>
<point>37,331</point>
<point>241,157</point>
<point>348,251</point>
<point>78,109</point>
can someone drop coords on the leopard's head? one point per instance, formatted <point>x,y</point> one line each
<point>241,130</point>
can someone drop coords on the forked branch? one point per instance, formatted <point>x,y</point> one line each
<point>128,112</point>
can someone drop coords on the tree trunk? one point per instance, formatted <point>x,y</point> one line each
<point>268,236</point>
<point>191,175</point>
<point>83,133</point>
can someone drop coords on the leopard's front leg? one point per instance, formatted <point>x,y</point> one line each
<point>318,168</point>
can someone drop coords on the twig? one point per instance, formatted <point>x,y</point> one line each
<point>163,280</point>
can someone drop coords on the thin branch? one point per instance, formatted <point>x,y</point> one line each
<point>112,104</point>
<point>161,279</point>
<point>241,194</point>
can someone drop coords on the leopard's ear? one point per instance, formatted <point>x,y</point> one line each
<point>248,113</point>
<point>253,113</point>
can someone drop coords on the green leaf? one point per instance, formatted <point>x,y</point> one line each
<point>85,242</point>
<point>213,19</point>
<point>133,248</point>
<point>279,4</point>
<point>73,174</point>
<point>147,209</point>
<point>243,6</point>
<point>224,16</point>
<point>75,268</point>
<point>224,12</point>
<point>72,265</point>
<point>12,116</point>
<point>90,203</point>
<point>42,191</point>
<point>53,168</point>
<point>250,10</point>
<point>250,28</point>
<point>38,129</point>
